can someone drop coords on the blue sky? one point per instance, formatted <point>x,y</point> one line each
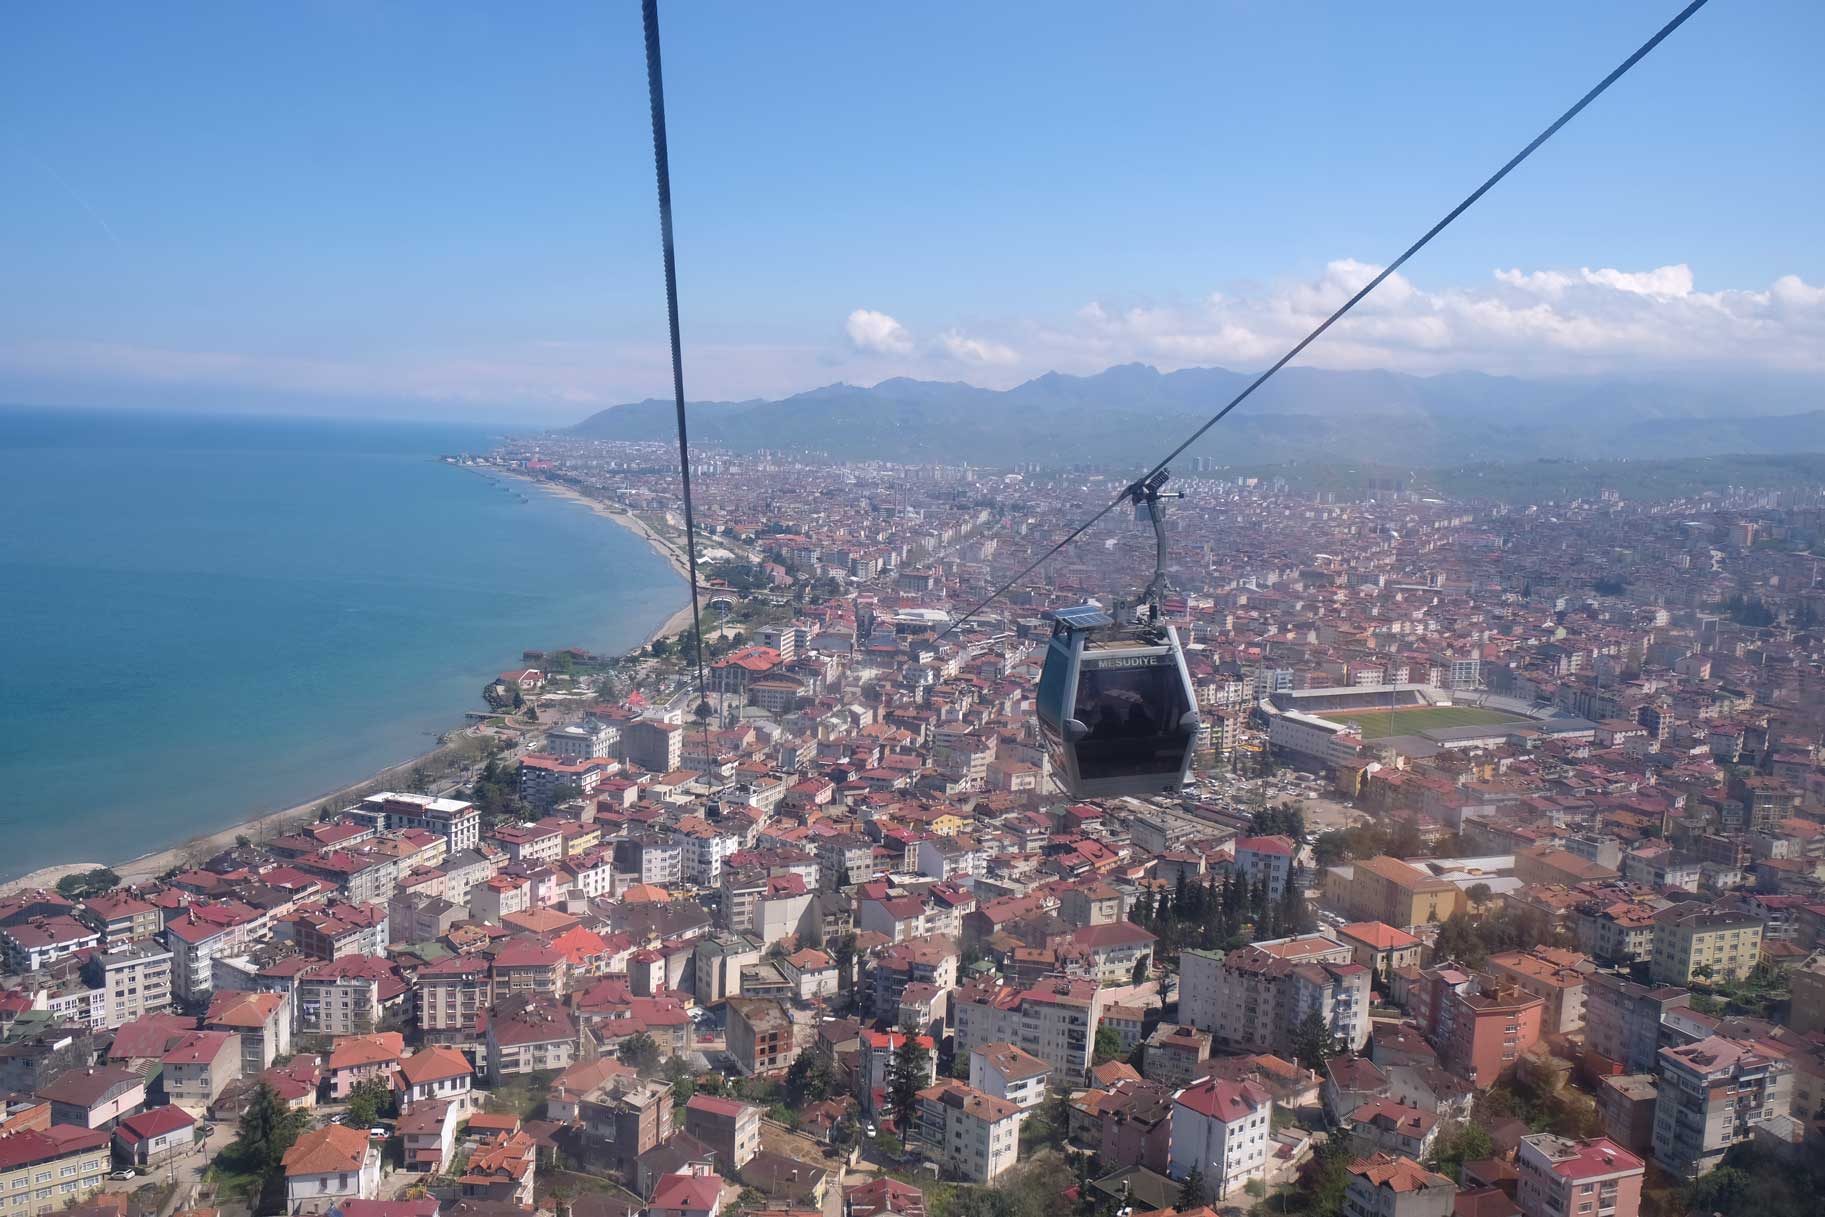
<point>433,209</point>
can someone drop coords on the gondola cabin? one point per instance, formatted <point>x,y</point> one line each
<point>1116,706</point>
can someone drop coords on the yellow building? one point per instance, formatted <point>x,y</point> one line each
<point>1388,890</point>
<point>583,837</point>
<point>1700,942</point>
<point>42,1171</point>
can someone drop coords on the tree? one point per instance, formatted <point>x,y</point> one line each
<point>1457,1144</point>
<point>907,1075</point>
<point>1191,1192</point>
<point>267,1129</point>
<point>641,1051</point>
<point>1479,894</point>
<point>842,952</point>
<point>1108,1045</point>
<point>88,883</point>
<point>1312,1042</point>
<point>809,1079</point>
<point>370,1099</point>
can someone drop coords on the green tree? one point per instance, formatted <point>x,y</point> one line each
<point>1191,1191</point>
<point>809,1079</point>
<point>1479,894</point>
<point>1312,1041</point>
<point>906,1077</point>
<point>267,1129</point>
<point>88,883</point>
<point>642,1052</point>
<point>370,1099</point>
<point>1458,1143</point>
<point>1108,1045</point>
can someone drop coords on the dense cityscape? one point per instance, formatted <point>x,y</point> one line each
<point>1497,886</point>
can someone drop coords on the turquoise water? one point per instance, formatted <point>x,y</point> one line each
<point>206,618</point>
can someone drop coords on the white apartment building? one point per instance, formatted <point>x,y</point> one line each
<point>1055,1020</point>
<point>134,981</point>
<point>203,932</point>
<point>1008,1073</point>
<point>1712,1094</point>
<point>972,1135</point>
<point>1251,998</point>
<point>457,822</point>
<point>1221,1130</point>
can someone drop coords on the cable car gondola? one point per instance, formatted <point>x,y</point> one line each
<point>1115,701</point>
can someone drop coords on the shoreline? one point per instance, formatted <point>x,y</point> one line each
<point>679,620</point>
<point>267,824</point>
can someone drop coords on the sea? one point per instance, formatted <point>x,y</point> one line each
<point>205,618</point>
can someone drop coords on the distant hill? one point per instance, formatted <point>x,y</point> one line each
<point>1133,411</point>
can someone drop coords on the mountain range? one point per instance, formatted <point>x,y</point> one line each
<point>1130,413</point>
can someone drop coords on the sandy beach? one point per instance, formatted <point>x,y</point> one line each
<point>680,620</point>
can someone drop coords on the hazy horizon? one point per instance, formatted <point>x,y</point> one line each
<point>414,212</point>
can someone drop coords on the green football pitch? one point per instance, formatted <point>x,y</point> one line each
<point>1411,720</point>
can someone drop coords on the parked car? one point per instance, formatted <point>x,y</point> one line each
<point>379,1134</point>
<point>128,1173</point>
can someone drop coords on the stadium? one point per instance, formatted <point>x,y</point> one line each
<point>1333,726</point>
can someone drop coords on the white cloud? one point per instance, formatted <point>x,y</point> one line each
<point>977,351</point>
<point>1523,321</point>
<point>877,333</point>
<point>1529,322</point>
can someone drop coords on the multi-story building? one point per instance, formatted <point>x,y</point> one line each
<point>1560,1177</point>
<point>1379,947</point>
<point>1253,997</point>
<point>1383,1185</point>
<point>1697,941</point>
<point>530,1033</point>
<point>199,1067</point>
<point>263,1021</point>
<point>40,941</point>
<point>624,1117</point>
<point>703,848</point>
<point>1713,1093</point>
<point>583,741</point>
<point>530,843</point>
<point>457,822</point>
<point>1006,1072</point>
<point>728,1126</point>
<point>452,997</point>
<point>1615,931</point>
<point>1622,1019</point>
<point>1554,976</point>
<point>1055,1020</point>
<point>329,1166</point>
<point>655,746</point>
<point>44,1170</point>
<point>1491,1027</point>
<point>1266,860</point>
<point>121,917</point>
<point>1221,1131</point>
<point>759,1034</point>
<point>202,932</point>
<point>658,860</point>
<point>1390,891</point>
<point>345,996</point>
<point>972,1135</point>
<point>134,980</point>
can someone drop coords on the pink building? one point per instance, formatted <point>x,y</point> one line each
<point>1565,1178</point>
